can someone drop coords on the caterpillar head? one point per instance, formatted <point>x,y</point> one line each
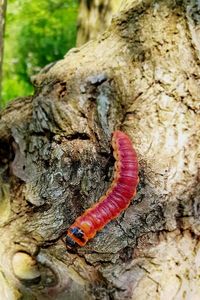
<point>70,244</point>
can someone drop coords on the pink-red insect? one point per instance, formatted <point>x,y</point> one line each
<point>116,199</point>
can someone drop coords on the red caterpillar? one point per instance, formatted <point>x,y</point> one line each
<point>116,199</point>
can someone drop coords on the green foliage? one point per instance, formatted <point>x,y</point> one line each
<point>37,32</point>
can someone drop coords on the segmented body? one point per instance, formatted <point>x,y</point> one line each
<point>116,199</point>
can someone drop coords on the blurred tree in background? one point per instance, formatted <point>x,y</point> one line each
<point>94,17</point>
<point>37,32</point>
<point>3,5</point>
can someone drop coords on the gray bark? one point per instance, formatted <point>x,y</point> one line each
<point>142,76</point>
<point>2,29</point>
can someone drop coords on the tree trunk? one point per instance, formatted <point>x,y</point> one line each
<point>2,28</point>
<point>94,17</point>
<point>141,76</point>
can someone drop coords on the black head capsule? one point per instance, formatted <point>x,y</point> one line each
<point>71,245</point>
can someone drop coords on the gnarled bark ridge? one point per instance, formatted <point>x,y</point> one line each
<point>141,76</point>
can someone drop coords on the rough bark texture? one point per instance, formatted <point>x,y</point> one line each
<point>94,17</point>
<point>143,77</point>
<point>2,28</point>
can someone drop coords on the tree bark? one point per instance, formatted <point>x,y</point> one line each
<point>2,29</point>
<point>141,76</point>
<point>94,17</point>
